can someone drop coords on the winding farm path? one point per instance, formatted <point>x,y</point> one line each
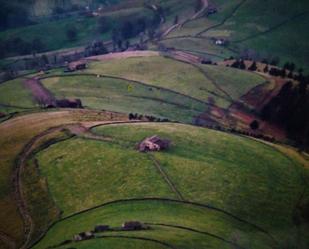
<point>205,5</point>
<point>75,129</point>
<point>17,183</point>
<point>42,95</point>
<point>223,21</point>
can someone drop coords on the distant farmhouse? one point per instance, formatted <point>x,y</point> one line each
<point>77,65</point>
<point>220,42</point>
<point>154,143</point>
<point>69,103</point>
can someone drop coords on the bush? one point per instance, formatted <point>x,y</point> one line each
<point>71,33</point>
<point>254,125</point>
<point>253,67</point>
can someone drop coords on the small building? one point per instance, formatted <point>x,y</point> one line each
<point>220,42</point>
<point>69,103</point>
<point>101,228</point>
<point>133,226</point>
<point>77,65</point>
<point>83,236</point>
<point>153,143</point>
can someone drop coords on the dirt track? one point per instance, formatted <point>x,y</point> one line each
<point>195,16</point>
<point>81,129</point>
<point>40,93</point>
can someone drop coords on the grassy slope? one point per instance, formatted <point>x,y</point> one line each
<point>160,212</point>
<point>235,82</point>
<point>86,30</point>
<point>41,206</point>
<point>161,72</point>
<point>87,27</point>
<point>200,24</point>
<point>203,47</point>
<point>14,135</point>
<point>217,158</point>
<point>175,75</point>
<point>116,243</point>
<point>288,41</point>
<point>292,40</point>
<point>125,96</point>
<point>13,93</point>
<point>206,166</point>
<point>107,172</point>
<point>251,20</point>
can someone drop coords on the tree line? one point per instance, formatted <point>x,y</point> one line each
<point>290,110</point>
<point>121,29</point>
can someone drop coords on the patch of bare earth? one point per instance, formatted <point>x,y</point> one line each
<point>42,95</point>
<point>240,115</point>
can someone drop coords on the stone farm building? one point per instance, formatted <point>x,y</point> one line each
<point>153,143</point>
<point>77,65</point>
<point>69,103</point>
<point>133,225</point>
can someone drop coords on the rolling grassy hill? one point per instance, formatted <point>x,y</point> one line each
<point>106,160</point>
<point>210,169</point>
<point>264,29</point>
<point>12,142</point>
<point>14,97</point>
<point>87,30</point>
<point>64,171</point>
<point>16,136</point>
<point>260,30</point>
<point>125,96</point>
<point>172,89</point>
